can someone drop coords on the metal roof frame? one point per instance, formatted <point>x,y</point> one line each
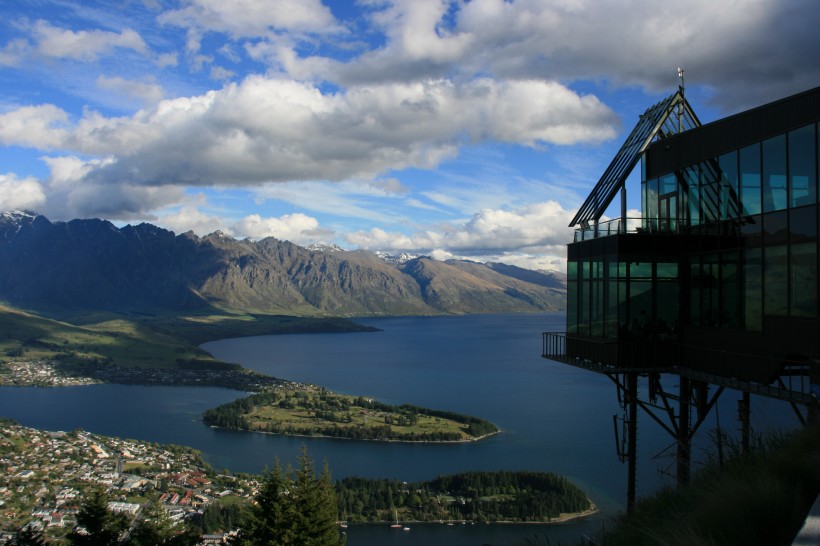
<point>659,121</point>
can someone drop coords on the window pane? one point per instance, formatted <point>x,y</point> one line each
<point>640,269</point>
<point>775,276</point>
<point>709,192</point>
<point>803,223</point>
<point>640,307</point>
<point>710,288</point>
<point>774,174</point>
<point>750,179</point>
<point>803,277</point>
<point>729,197</point>
<point>776,228</point>
<point>752,289</point>
<point>611,324</point>
<point>694,292</point>
<point>802,160</point>
<point>730,290</point>
<point>692,180</point>
<point>667,270</point>
<point>651,210</point>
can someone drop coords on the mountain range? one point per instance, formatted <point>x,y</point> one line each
<point>93,264</point>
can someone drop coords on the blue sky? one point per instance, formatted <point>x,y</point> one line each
<point>454,129</point>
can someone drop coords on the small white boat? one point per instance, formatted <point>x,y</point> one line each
<point>396,525</point>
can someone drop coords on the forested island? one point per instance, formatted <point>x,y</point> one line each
<point>503,496</point>
<point>315,411</point>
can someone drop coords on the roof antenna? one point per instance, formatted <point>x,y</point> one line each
<point>681,89</point>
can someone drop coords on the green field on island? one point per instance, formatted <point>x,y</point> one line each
<point>318,412</point>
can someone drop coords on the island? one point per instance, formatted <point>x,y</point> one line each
<point>306,410</point>
<point>470,497</point>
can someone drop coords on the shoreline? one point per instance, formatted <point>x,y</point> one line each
<point>561,518</point>
<point>470,441</point>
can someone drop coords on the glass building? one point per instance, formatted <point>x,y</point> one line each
<point>716,283</point>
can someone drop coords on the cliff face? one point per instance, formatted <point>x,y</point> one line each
<point>93,264</point>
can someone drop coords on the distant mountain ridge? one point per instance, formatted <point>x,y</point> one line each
<point>93,264</point>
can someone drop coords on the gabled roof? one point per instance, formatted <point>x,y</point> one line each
<point>659,121</point>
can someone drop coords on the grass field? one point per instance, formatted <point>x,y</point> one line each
<point>304,411</point>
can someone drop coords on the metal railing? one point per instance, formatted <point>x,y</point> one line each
<point>633,225</point>
<point>782,378</point>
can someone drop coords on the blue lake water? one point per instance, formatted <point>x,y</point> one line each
<point>555,418</point>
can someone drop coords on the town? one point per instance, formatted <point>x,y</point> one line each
<point>44,475</point>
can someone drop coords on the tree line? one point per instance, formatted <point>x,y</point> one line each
<point>474,496</point>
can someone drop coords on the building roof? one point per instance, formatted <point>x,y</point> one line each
<point>670,116</point>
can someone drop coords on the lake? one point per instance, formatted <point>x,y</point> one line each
<point>555,418</point>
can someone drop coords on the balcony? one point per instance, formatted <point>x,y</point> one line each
<point>795,381</point>
<point>620,226</point>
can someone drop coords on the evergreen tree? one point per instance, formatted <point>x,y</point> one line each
<point>100,527</point>
<point>156,529</point>
<point>290,509</point>
<point>316,507</point>
<point>270,520</point>
<point>27,536</point>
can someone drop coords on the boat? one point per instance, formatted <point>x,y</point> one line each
<point>396,525</point>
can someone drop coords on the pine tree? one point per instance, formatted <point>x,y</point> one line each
<point>290,509</point>
<point>315,500</point>
<point>27,536</point>
<point>156,529</point>
<point>100,526</point>
<point>271,520</point>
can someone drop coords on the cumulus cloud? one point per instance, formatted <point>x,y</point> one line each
<point>20,193</point>
<point>735,48</point>
<point>42,127</point>
<point>69,195</point>
<point>297,227</point>
<point>534,226</point>
<point>263,130</point>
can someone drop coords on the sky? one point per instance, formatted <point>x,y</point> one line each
<point>455,129</point>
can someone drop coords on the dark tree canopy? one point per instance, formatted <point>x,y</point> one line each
<point>293,508</point>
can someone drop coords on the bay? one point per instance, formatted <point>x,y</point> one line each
<point>555,418</point>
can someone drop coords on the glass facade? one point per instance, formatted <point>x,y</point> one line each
<point>751,215</point>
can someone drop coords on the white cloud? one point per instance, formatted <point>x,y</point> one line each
<point>146,92</point>
<point>12,54</point>
<point>747,51</point>
<point>190,218</point>
<point>42,127</point>
<point>221,73</point>
<point>488,231</point>
<point>70,195</point>
<point>264,130</point>
<point>165,60</point>
<point>251,18</point>
<point>298,228</point>
<point>83,45</point>
<point>20,193</point>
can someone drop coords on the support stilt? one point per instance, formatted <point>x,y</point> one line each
<point>632,456</point>
<point>684,436</point>
<point>744,411</point>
